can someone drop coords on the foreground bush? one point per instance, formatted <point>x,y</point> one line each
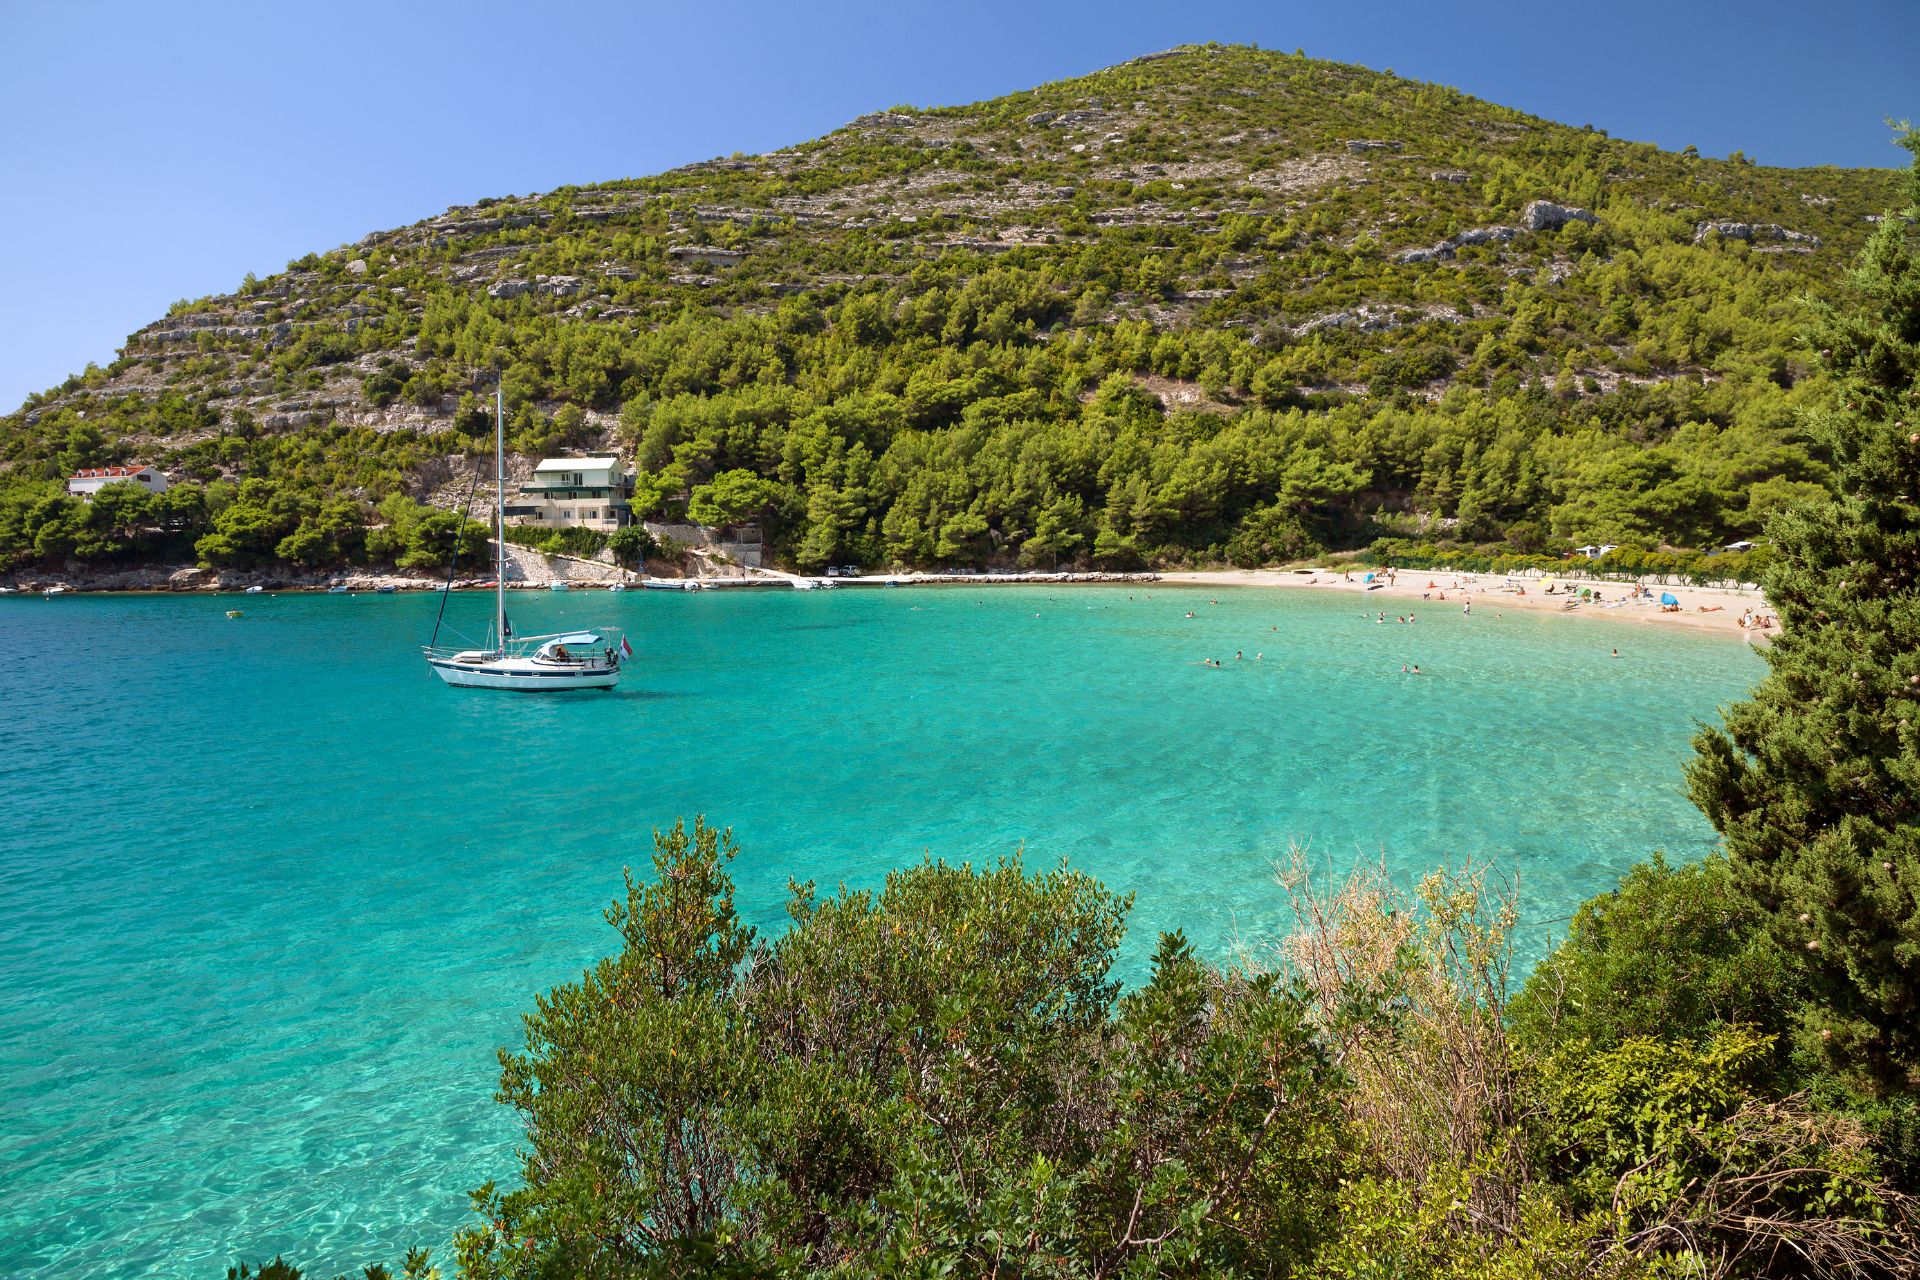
<point>943,1078</point>
<point>940,1076</point>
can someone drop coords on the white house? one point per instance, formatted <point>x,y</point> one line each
<point>1595,552</point>
<point>574,493</point>
<point>87,481</point>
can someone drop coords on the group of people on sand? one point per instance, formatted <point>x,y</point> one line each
<point>1751,620</point>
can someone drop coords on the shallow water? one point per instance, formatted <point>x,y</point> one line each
<point>273,895</point>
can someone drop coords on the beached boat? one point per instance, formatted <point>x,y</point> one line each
<point>585,659</point>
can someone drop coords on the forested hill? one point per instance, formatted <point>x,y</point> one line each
<point>1214,303</point>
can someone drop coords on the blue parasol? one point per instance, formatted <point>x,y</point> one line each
<point>1666,597</point>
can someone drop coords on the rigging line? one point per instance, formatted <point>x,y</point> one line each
<point>466,514</point>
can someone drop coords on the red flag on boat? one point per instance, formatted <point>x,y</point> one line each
<point>626,650</point>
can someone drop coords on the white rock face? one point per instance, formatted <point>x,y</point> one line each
<point>1545,215</point>
<point>1752,231</point>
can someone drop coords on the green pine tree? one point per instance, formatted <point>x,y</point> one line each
<point>1814,783</point>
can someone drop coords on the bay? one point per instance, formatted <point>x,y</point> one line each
<point>271,895</point>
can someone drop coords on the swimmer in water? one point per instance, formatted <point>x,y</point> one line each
<point>1616,653</point>
<point>1416,669</point>
<point>1241,657</point>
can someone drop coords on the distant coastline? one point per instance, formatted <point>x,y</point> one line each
<point>1709,609</point>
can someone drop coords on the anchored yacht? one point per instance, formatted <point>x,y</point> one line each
<point>588,659</point>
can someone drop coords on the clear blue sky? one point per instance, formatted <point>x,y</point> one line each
<point>158,151</point>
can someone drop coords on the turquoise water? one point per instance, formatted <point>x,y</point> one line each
<point>273,895</point>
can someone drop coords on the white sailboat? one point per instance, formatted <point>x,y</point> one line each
<point>531,664</point>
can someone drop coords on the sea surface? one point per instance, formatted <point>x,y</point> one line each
<point>271,896</point>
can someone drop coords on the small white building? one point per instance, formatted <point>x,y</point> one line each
<point>574,493</point>
<point>87,481</point>
<point>1595,552</point>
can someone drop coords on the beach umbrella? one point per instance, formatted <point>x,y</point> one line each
<point>1667,597</point>
<point>1368,578</point>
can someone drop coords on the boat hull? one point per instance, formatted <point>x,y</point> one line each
<point>522,677</point>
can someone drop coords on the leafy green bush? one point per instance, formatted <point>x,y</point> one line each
<point>942,1072</point>
<point>1673,951</point>
<point>585,543</point>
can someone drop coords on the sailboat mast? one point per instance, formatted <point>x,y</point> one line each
<point>500,513</point>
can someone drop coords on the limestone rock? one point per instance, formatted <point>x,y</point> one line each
<point>1752,231</point>
<point>1545,215</point>
<point>510,289</point>
<point>357,267</point>
<point>1361,146</point>
<point>1444,250</point>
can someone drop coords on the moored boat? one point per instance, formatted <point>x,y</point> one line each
<point>583,659</point>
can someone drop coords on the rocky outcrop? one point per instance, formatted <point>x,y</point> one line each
<point>1361,146</point>
<point>713,255</point>
<point>1373,317</point>
<point>510,289</point>
<point>1539,215</point>
<point>1545,215</point>
<point>1445,249</point>
<point>1754,231</point>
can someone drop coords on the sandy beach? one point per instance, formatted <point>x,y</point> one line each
<point>1714,609</point>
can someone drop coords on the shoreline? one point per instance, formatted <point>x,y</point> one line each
<point>1714,610</point>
